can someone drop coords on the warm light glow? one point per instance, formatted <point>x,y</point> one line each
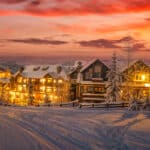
<point>143,77</point>
<point>20,93</point>
<point>42,88</point>
<point>24,80</point>
<point>60,81</point>
<point>24,85</point>
<point>49,80</point>
<point>19,79</point>
<point>49,89</point>
<point>42,80</point>
<point>19,88</point>
<point>51,97</point>
<point>54,89</point>
<point>55,97</point>
<point>147,84</point>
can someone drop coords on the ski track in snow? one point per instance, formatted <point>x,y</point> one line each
<point>55,128</point>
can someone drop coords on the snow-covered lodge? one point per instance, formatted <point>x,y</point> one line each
<point>38,84</point>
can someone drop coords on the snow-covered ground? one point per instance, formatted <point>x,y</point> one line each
<point>55,128</point>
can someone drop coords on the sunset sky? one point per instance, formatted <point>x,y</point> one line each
<point>72,29</point>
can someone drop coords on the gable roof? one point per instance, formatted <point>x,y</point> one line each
<point>90,63</point>
<point>138,66</point>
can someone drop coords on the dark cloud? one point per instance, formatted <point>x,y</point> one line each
<point>12,1</point>
<point>100,43</point>
<point>147,19</point>
<point>125,39</point>
<point>35,3</point>
<point>123,44</point>
<point>38,41</point>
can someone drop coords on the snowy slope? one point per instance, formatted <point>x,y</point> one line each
<point>55,128</point>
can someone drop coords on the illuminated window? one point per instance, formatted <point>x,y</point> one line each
<point>49,89</point>
<point>43,80</point>
<point>24,80</point>
<point>2,75</point>
<point>54,89</point>
<point>51,97</point>
<point>142,77</point>
<point>19,88</point>
<point>60,81</point>
<point>33,80</point>
<point>42,88</point>
<point>49,80</point>
<point>55,97</point>
<point>19,80</point>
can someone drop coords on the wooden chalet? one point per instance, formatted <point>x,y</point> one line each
<point>136,81</point>
<point>89,82</point>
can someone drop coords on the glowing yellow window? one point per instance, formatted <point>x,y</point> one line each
<point>19,79</point>
<point>60,81</point>
<point>49,80</point>
<point>143,77</point>
<point>49,89</point>
<point>43,80</point>
<point>42,88</point>
<point>54,81</point>
<point>19,88</point>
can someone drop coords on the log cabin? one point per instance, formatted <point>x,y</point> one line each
<point>136,81</point>
<point>88,82</point>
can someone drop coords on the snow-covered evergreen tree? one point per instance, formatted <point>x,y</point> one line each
<point>114,82</point>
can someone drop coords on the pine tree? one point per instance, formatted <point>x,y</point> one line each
<point>114,82</point>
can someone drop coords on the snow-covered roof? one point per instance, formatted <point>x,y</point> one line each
<point>39,71</point>
<point>132,63</point>
<point>2,68</point>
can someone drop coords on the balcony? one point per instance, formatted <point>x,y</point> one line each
<point>97,79</point>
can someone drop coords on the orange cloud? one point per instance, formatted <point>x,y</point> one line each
<point>124,27</point>
<point>84,29</point>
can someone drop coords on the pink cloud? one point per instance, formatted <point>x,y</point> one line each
<point>80,7</point>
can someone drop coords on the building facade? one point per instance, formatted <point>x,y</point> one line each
<point>136,82</point>
<point>36,85</point>
<point>89,82</point>
<point>5,79</point>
